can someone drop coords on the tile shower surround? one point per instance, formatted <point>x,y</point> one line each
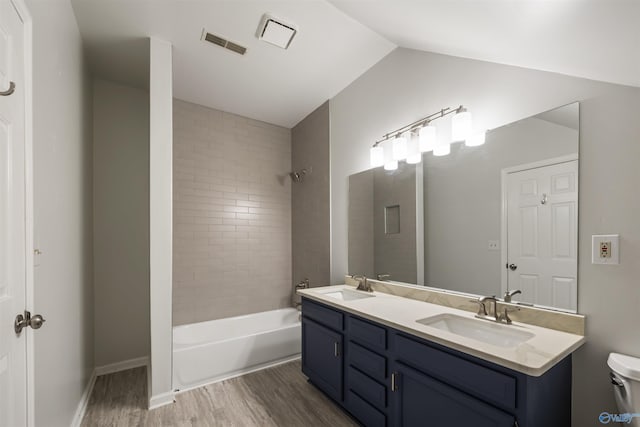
<point>231,215</point>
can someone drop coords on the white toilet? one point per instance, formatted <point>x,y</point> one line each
<point>625,377</point>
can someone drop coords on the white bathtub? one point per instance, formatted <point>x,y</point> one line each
<point>215,350</point>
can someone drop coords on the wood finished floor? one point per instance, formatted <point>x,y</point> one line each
<point>278,396</point>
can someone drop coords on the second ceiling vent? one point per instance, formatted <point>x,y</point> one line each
<point>222,42</point>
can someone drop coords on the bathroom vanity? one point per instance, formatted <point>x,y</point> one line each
<point>376,359</point>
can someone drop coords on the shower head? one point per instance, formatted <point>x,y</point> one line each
<point>297,176</point>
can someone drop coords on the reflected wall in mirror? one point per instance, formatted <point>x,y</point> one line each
<point>490,219</point>
<point>383,239</point>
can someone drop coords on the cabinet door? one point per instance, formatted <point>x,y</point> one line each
<point>322,357</point>
<point>419,400</point>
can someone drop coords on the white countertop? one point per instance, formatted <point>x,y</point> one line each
<point>532,357</point>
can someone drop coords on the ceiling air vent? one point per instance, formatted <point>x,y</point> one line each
<point>217,40</point>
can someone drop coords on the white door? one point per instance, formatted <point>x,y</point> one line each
<point>542,228</point>
<point>13,347</point>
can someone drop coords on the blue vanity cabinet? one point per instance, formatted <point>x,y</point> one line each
<point>386,377</point>
<point>422,401</point>
<point>366,372</point>
<point>322,349</point>
<point>431,377</point>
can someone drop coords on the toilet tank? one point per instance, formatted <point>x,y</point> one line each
<point>625,377</point>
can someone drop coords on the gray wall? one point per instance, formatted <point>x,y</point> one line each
<point>121,222</point>
<point>395,254</point>
<point>361,240</point>
<point>463,202</point>
<point>407,85</point>
<point>232,215</point>
<point>63,213</point>
<point>372,250</point>
<point>310,209</point>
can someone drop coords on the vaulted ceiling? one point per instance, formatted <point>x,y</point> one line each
<point>338,40</point>
<point>594,39</point>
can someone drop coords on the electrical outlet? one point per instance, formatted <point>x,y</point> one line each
<point>605,249</point>
<point>494,245</point>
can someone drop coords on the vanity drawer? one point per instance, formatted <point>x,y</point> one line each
<point>322,314</point>
<point>367,361</point>
<point>374,392</point>
<point>368,334</point>
<point>365,413</point>
<point>478,380</point>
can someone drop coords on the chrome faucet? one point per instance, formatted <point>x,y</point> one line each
<point>492,299</point>
<point>509,294</point>
<point>496,317</point>
<point>363,283</point>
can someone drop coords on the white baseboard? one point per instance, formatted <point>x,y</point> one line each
<point>238,373</point>
<point>84,401</point>
<point>161,400</point>
<point>122,366</point>
<point>98,371</point>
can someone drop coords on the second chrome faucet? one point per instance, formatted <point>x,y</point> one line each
<point>500,317</point>
<point>363,283</point>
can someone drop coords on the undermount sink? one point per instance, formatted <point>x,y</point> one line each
<point>479,330</point>
<point>347,295</point>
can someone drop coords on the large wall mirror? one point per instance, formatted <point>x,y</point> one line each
<point>483,220</point>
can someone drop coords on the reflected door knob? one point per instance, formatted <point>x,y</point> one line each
<point>513,267</point>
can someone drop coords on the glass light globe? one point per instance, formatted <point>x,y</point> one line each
<point>475,140</point>
<point>399,145</point>
<point>376,156</point>
<point>427,138</point>
<point>414,155</point>
<point>461,126</point>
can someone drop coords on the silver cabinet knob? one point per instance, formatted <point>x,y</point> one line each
<point>513,267</point>
<point>36,321</point>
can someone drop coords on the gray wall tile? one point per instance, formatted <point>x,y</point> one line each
<point>232,215</point>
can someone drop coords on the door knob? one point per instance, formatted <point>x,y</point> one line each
<point>513,267</point>
<point>24,320</point>
<point>21,322</point>
<point>36,321</point>
<point>12,87</point>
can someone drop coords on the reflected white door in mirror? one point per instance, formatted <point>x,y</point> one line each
<point>541,224</point>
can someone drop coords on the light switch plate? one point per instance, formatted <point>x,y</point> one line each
<point>605,249</point>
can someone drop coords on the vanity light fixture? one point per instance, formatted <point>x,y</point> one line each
<point>399,145</point>
<point>414,155</point>
<point>422,134</point>
<point>476,139</point>
<point>442,148</point>
<point>390,164</point>
<point>377,156</point>
<point>428,136</point>
<point>461,125</point>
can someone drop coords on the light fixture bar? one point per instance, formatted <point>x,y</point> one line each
<point>418,123</point>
